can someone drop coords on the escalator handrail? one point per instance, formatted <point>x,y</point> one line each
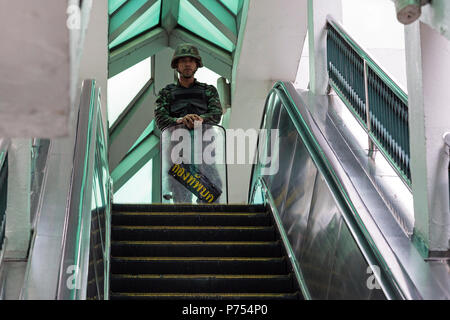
<point>298,114</point>
<point>79,201</point>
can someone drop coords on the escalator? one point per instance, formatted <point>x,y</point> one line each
<point>198,252</point>
<point>306,233</point>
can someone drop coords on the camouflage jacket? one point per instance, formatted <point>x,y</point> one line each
<point>163,116</point>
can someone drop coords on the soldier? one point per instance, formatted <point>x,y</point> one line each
<point>185,102</point>
<point>188,100</point>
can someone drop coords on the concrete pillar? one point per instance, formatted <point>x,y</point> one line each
<point>428,62</point>
<point>162,72</point>
<point>317,18</point>
<point>35,68</point>
<point>18,224</point>
<point>94,54</point>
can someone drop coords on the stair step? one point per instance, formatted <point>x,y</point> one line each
<point>204,252</point>
<point>196,248</point>
<point>191,218</point>
<point>201,283</point>
<point>204,296</point>
<point>188,208</point>
<point>180,233</point>
<point>198,265</point>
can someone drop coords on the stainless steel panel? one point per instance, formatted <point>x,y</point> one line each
<point>299,198</point>
<point>322,234</point>
<point>350,275</point>
<point>279,182</point>
<point>41,278</point>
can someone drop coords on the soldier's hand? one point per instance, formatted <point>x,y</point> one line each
<point>189,120</point>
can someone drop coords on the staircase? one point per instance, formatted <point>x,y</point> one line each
<point>198,252</point>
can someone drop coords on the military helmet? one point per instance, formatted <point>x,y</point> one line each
<point>186,50</point>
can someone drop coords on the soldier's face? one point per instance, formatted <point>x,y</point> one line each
<point>187,67</point>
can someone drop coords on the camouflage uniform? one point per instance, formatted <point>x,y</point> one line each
<point>164,117</point>
<point>174,102</point>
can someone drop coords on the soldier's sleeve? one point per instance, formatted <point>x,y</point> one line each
<point>162,116</point>
<point>214,112</point>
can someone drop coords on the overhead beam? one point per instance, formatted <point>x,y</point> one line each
<point>130,125</point>
<point>215,59</point>
<point>135,51</point>
<point>135,160</point>
<point>169,15</point>
<point>131,19</point>
<point>214,20</point>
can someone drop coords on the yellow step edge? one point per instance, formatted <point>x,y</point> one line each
<point>199,258</point>
<point>189,294</point>
<point>198,242</point>
<point>193,227</point>
<point>131,213</point>
<point>192,276</point>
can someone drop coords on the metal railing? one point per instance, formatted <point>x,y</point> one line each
<point>298,138</point>
<point>376,101</point>
<point>84,267</point>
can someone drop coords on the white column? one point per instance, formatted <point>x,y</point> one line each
<point>317,18</point>
<point>18,224</point>
<point>35,68</point>
<point>94,52</point>
<point>428,63</point>
<point>163,73</point>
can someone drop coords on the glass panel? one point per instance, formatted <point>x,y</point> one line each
<point>138,189</point>
<point>113,5</point>
<point>190,174</point>
<point>146,21</point>
<point>124,13</point>
<point>221,13</point>
<point>122,88</point>
<point>191,19</point>
<point>232,5</point>
<point>144,134</point>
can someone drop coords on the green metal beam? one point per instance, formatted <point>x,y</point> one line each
<point>169,14</point>
<point>214,20</point>
<point>135,160</point>
<point>131,124</point>
<point>131,19</point>
<point>133,52</point>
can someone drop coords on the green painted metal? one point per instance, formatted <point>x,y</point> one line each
<point>136,50</point>
<point>169,15</point>
<point>148,131</point>
<point>219,12</point>
<point>122,121</point>
<point>113,5</point>
<point>232,5</point>
<point>387,121</point>
<point>135,160</point>
<point>143,22</point>
<point>190,18</point>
